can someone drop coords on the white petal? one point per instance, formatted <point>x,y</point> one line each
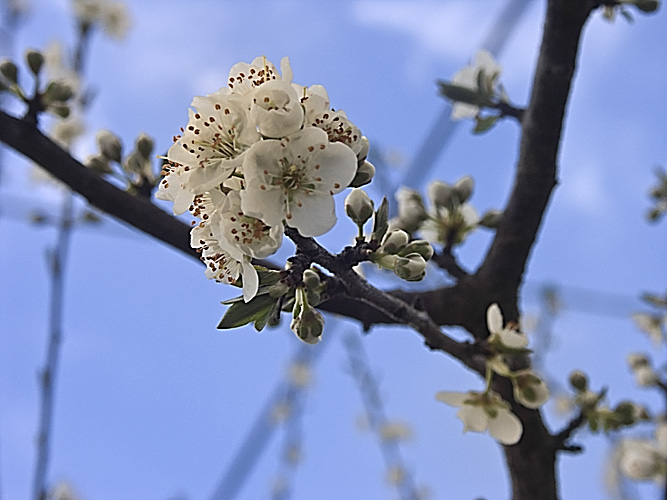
<point>513,339</point>
<point>494,319</point>
<point>474,418</point>
<point>452,398</point>
<point>506,427</point>
<point>250,280</point>
<point>313,214</point>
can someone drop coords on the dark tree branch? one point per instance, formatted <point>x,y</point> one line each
<point>542,124</point>
<point>136,211</point>
<point>560,439</point>
<point>401,312</point>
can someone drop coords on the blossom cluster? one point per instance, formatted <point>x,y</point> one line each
<point>449,218</point>
<point>257,154</point>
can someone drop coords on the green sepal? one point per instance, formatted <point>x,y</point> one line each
<point>241,313</point>
<point>484,124</point>
<point>380,221</point>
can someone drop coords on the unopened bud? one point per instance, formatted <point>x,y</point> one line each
<point>364,175</point>
<point>440,193</point>
<point>99,164</point>
<point>578,380</point>
<point>363,152</point>
<point>636,360</point>
<point>308,325</point>
<point>35,61</point>
<point>109,145</point>
<point>145,145</point>
<point>491,219</point>
<point>394,241</point>
<point>422,247</point>
<point>58,91</point>
<point>647,5</point>
<point>9,71</point>
<point>311,279</point>
<point>386,261</point>
<point>358,207</point>
<point>412,267</point>
<point>59,109</point>
<point>463,188</point>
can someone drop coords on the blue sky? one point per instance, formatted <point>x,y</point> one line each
<point>153,401</point>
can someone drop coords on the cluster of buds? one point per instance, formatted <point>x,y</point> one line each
<point>136,169</point>
<point>394,249</point>
<point>407,259</point>
<point>449,218</point>
<point>599,415</point>
<point>54,97</point>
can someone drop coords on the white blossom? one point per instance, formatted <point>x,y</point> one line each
<point>175,187</point>
<point>468,77</point>
<point>295,179</point>
<point>508,335</point>
<point>244,78</point>
<point>480,412</point>
<point>249,234</point>
<point>276,109</point>
<point>214,141</point>
<point>222,264</point>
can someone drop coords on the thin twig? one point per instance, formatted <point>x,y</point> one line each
<point>370,393</point>
<point>57,259</point>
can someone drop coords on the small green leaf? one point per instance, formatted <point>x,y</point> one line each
<point>484,124</point>
<point>380,220</point>
<point>241,313</point>
<point>462,94</point>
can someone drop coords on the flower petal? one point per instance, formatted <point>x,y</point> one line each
<point>506,427</point>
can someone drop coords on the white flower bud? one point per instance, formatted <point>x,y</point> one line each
<point>358,206</point>
<point>364,147</point>
<point>491,219</point>
<point>394,241</point>
<point>109,145</point>
<point>144,145</point>
<point>412,267</point>
<point>99,164</point>
<point>463,188</point>
<point>440,193</point>
<point>364,175</point>
<point>422,247</point>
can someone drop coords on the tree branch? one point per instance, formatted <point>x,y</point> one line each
<point>136,211</point>
<point>542,125</point>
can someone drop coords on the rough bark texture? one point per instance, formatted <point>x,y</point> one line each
<point>531,462</point>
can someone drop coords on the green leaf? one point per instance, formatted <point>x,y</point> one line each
<point>241,313</point>
<point>484,124</point>
<point>380,220</point>
<point>462,94</point>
